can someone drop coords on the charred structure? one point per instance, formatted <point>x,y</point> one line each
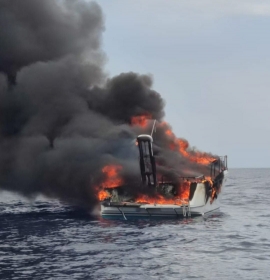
<point>147,160</point>
<point>168,189</point>
<point>200,196</point>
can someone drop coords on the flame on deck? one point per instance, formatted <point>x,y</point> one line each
<point>112,180</point>
<point>183,196</point>
<point>159,199</point>
<point>103,195</point>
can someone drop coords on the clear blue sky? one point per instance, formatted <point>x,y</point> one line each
<point>210,62</point>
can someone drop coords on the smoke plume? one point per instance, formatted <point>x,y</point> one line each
<point>61,119</point>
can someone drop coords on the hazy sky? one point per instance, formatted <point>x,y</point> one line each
<point>210,62</point>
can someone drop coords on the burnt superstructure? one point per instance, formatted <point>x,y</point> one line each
<point>188,196</point>
<point>147,160</point>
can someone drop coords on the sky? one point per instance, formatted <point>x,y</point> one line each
<point>209,60</point>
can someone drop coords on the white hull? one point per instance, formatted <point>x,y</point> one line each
<point>200,204</point>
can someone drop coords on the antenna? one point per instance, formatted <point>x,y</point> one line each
<point>154,125</point>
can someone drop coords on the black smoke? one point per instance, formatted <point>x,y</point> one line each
<point>33,31</point>
<point>61,119</point>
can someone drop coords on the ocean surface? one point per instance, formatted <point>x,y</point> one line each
<point>44,239</point>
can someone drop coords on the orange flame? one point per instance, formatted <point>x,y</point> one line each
<point>183,196</point>
<point>141,120</point>
<point>169,132</point>
<point>185,189</point>
<point>112,177</point>
<point>208,179</point>
<point>158,200</point>
<point>215,190</point>
<point>182,147</point>
<point>102,195</point>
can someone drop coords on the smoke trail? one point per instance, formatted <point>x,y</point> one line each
<point>61,119</point>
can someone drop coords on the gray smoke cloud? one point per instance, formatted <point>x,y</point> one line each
<point>33,31</point>
<point>61,119</point>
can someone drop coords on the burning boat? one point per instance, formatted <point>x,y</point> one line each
<point>185,196</point>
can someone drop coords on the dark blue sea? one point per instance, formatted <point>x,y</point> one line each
<point>44,239</point>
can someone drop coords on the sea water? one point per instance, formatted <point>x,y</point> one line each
<point>44,239</point>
